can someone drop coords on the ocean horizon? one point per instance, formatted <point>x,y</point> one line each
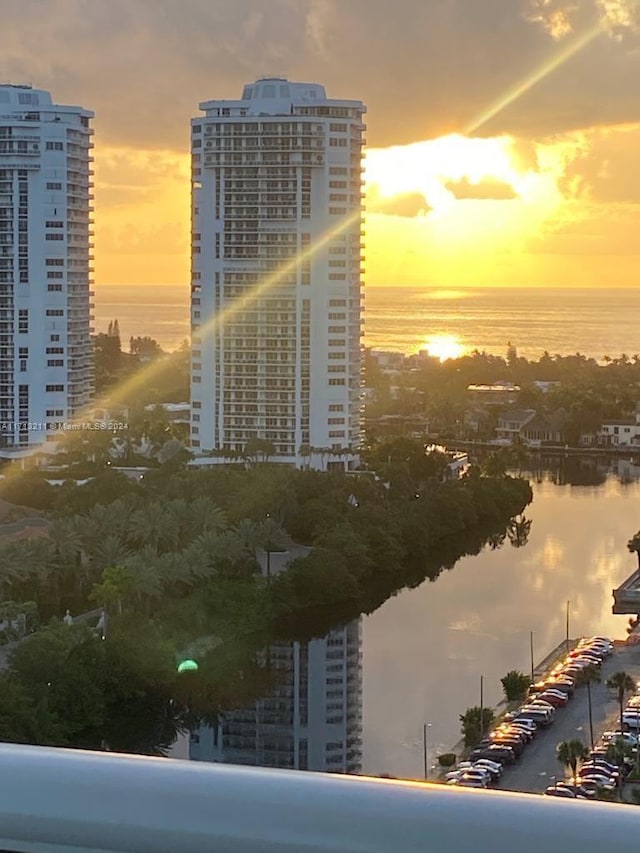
<point>596,322</point>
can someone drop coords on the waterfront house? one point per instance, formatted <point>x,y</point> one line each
<point>543,429</point>
<point>512,421</point>
<point>620,432</point>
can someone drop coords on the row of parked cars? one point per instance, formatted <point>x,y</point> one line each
<point>599,772</point>
<point>507,741</point>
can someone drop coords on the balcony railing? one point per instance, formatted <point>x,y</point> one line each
<point>73,800</point>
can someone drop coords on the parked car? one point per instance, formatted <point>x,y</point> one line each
<point>579,790</point>
<point>495,752</point>
<point>631,719</point>
<point>492,766</point>
<point>602,767</point>
<point>587,770</point>
<point>559,791</point>
<point>515,726</point>
<point>605,782</point>
<point>491,772</point>
<point>589,787</point>
<point>554,697</point>
<point>563,683</point>
<point>470,783</point>
<point>627,738</point>
<point>626,765</point>
<point>517,746</point>
<point>541,703</point>
<point>512,728</point>
<point>537,714</point>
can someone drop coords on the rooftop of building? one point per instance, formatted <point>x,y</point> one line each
<point>23,95</point>
<point>20,97</point>
<point>277,95</point>
<point>517,415</point>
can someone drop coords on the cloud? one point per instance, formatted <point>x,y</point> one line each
<point>485,189</point>
<point>555,16</point>
<point>405,204</point>
<point>425,70</point>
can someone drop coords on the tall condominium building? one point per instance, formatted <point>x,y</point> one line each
<point>312,721</point>
<point>46,373</point>
<point>276,275</point>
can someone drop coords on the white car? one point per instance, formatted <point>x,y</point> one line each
<point>628,738</point>
<point>631,719</point>
<point>470,783</point>
<point>493,767</point>
<point>476,773</point>
<point>601,781</point>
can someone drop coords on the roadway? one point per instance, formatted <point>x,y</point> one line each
<point>538,767</point>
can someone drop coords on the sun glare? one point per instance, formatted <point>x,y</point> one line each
<point>432,166</point>
<point>444,347</point>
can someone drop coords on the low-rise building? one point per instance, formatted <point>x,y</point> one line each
<point>496,394</point>
<point>545,429</point>
<point>512,421</point>
<point>175,412</point>
<point>620,432</point>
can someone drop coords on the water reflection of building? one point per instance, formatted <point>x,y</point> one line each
<point>312,721</point>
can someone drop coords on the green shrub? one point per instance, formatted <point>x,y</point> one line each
<point>447,759</point>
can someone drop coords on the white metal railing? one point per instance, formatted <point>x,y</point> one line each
<point>67,800</point>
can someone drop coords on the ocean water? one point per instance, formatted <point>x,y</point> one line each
<point>595,322</point>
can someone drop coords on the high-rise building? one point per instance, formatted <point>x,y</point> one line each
<point>276,276</point>
<point>311,721</point>
<point>46,362</point>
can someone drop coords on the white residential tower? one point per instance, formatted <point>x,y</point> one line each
<point>276,275</point>
<point>46,373</point>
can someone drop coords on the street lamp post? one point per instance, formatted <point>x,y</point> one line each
<point>268,550</point>
<point>533,677</point>
<point>424,742</point>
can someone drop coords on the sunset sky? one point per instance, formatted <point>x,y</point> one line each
<point>503,134</point>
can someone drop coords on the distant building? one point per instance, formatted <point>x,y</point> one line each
<point>276,303</point>
<point>178,413</point>
<point>313,719</point>
<point>512,422</point>
<point>496,394</point>
<point>545,385</point>
<point>387,360</point>
<point>621,432</point>
<point>545,429</point>
<point>46,354</point>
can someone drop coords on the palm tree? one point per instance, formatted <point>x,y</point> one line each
<point>587,676</point>
<point>623,683</point>
<point>205,515</point>
<point>117,582</point>
<point>570,753</point>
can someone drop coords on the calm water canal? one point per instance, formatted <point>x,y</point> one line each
<point>425,649</point>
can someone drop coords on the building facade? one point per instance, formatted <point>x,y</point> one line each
<point>276,275</point>
<point>312,721</point>
<point>46,360</point>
